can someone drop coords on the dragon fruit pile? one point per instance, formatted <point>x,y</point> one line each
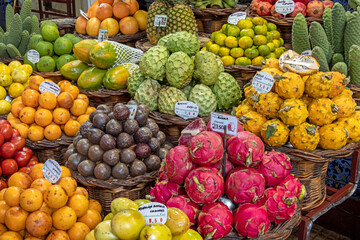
<point>258,182</point>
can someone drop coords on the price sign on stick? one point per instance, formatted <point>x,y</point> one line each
<point>263,82</point>
<point>154,212</point>
<point>33,56</point>
<point>84,14</point>
<point>51,170</point>
<point>133,109</point>
<point>186,109</point>
<point>103,35</point>
<point>236,17</point>
<point>160,20</point>
<point>284,7</point>
<point>48,86</point>
<point>219,121</point>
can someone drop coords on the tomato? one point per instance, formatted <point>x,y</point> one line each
<point>3,122</point>
<point>34,158</point>
<point>2,185</point>
<point>22,158</point>
<point>8,150</point>
<point>0,171</point>
<point>16,133</point>
<point>2,139</point>
<point>6,131</point>
<point>32,163</point>
<point>18,141</point>
<point>25,170</point>
<point>26,149</point>
<point>9,166</point>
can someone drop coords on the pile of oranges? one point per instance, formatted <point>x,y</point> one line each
<point>33,208</point>
<point>114,15</point>
<point>37,115</point>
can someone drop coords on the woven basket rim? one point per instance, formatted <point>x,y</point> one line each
<point>44,143</point>
<point>8,60</point>
<point>103,92</point>
<point>168,119</point>
<point>217,11</point>
<point>286,21</point>
<point>48,74</point>
<point>118,37</point>
<point>248,68</point>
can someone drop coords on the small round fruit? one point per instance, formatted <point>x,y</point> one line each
<point>20,179</point>
<point>38,224</point>
<point>69,185</point>
<point>55,197</point>
<point>79,203</point>
<point>95,205</point>
<point>52,132</point>
<point>155,231</point>
<point>64,218</point>
<point>177,221</point>
<point>78,231</point>
<point>31,200</point>
<point>58,235</point>
<point>91,218</point>
<point>41,184</point>
<point>12,196</point>
<point>15,218</point>
<point>127,224</point>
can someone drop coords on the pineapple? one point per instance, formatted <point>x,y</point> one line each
<point>289,85</point>
<point>250,94</point>
<point>268,104</point>
<point>243,108</point>
<point>305,137</point>
<point>339,83</point>
<point>252,122</point>
<point>293,112</point>
<point>274,133</point>
<point>323,111</point>
<point>333,136</point>
<point>181,18</point>
<point>158,7</point>
<point>352,126</point>
<point>346,105</point>
<point>319,85</point>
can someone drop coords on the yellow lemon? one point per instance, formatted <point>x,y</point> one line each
<point>231,42</point>
<point>258,60</point>
<point>5,107</point>
<point>243,24</point>
<point>247,32</point>
<point>258,21</point>
<point>224,51</point>
<point>243,61</point>
<point>271,45</point>
<point>220,39</point>
<point>16,90</point>
<point>245,42</point>
<point>208,44</point>
<point>214,48</point>
<point>275,34</point>
<point>228,60</point>
<point>27,68</point>
<point>2,92</point>
<point>20,75</point>
<point>276,43</point>
<point>5,79</point>
<point>14,64</point>
<point>236,52</point>
<point>5,69</point>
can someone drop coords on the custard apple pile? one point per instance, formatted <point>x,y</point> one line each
<point>175,70</point>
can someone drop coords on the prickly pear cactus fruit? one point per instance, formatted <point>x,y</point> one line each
<point>268,104</point>
<point>134,81</point>
<point>352,125</point>
<point>243,108</point>
<point>203,97</point>
<point>274,133</point>
<point>333,136</point>
<point>250,94</point>
<point>323,111</point>
<point>305,137</point>
<point>168,97</point>
<point>179,69</point>
<point>346,105</point>
<point>252,122</point>
<point>207,69</point>
<point>227,92</point>
<point>148,93</point>
<point>293,112</point>
<point>289,85</point>
<point>319,85</point>
<point>339,83</point>
<point>153,62</point>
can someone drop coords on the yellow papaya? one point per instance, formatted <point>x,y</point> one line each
<point>91,78</point>
<point>116,78</point>
<point>73,69</point>
<point>82,49</point>
<point>103,55</point>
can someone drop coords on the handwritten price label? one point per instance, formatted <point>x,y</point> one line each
<point>219,121</point>
<point>51,170</point>
<point>263,82</point>
<point>154,212</point>
<point>284,7</point>
<point>33,56</point>
<point>48,86</point>
<point>133,109</point>
<point>186,109</point>
<point>103,35</point>
<point>236,17</point>
<point>160,20</point>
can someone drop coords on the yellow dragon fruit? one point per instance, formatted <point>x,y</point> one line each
<point>346,105</point>
<point>352,126</point>
<point>356,114</point>
<point>305,137</point>
<point>250,94</point>
<point>243,108</point>
<point>307,100</point>
<point>274,133</point>
<point>333,136</point>
<point>268,104</point>
<point>319,85</point>
<point>293,112</point>
<point>252,122</point>
<point>339,83</point>
<point>289,85</point>
<point>271,63</point>
<point>323,111</point>
<point>271,71</point>
<point>347,92</point>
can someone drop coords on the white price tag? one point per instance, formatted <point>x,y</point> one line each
<point>154,212</point>
<point>186,109</point>
<point>133,109</point>
<point>84,15</point>
<point>33,56</point>
<point>103,35</point>
<point>307,53</point>
<point>8,98</point>
<point>51,170</point>
<point>284,7</point>
<point>236,17</point>
<point>47,86</point>
<point>218,121</point>
<point>160,20</point>
<point>263,82</point>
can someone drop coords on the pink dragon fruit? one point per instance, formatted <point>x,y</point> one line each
<point>206,148</point>
<point>275,167</point>
<point>263,199</point>
<point>244,185</point>
<point>191,130</point>
<point>274,13</point>
<point>245,149</point>
<point>299,8</point>
<point>263,8</point>
<point>293,184</point>
<point>215,221</point>
<point>219,166</point>
<point>184,203</point>
<point>315,9</point>
<point>161,174</point>
<point>178,164</point>
<point>302,1</point>
<point>240,128</point>
<point>280,204</point>
<point>164,190</point>
<point>204,185</point>
<point>254,4</point>
<point>251,220</point>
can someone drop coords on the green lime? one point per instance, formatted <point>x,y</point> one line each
<point>247,32</point>
<point>233,31</point>
<point>213,35</point>
<point>276,43</point>
<point>259,40</point>
<point>214,48</point>
<point>264,50</point>
<point>251,53</point>
<point>220,39</point>
<point>62,60</point>
<point>224,51</point>
<point>281,41</point>
<point>207,45</point>
<point>236,52</point>
<point>50,33</point>
<point>271,26</point>
<point>45,48</point>
<point>63,46</point>
<point>278,52</point>
<point>47,22</point>
<point>245,42</point>
<point>244,24</point>
<point>258,21</point>
<point>75,40</point>
<point>243,61</point>
<point>260,30</point>
<point>275,34</point>
<point>228,60</point>
<point>231,42</point>
<point>258,60</point>
<point>46,64</point>
<point>271,45</point>
<point>69,35</point>
<point>271,55</point>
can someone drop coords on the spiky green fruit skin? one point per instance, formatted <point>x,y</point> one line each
<point>318,38</point>
<point>25,37</point>
<point>9,15</point>
<point>340,67</point>
<point>227,92</point>
<point>12,51</point>
<point>148,93</point>
<point>352,34</point>
<point>186,90</point>
<point>220,63</point>
<point>168,97</point>
<point>179,69</point>
<point>354,64</point>
<point>206,68</point>
<point>300,35</point>
<point>320,56</point>
<point>184,42</point>
<point>15,31</point>
<point>327,24</point>
<point>2,37</point>
<point>338,20</point>
<point>25,9</point>
<point>204,98</point>
<point>134,81</point>
<point>153,62</point>
<point>3,52</point>
<point>35,25</point>
<point>337,57</point>
<point>27,24</point>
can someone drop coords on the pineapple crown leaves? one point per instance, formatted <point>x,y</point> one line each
<point>270,130</point>
<point>311,130</point>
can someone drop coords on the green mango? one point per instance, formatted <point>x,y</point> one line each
<point>72,70</point>
<point>91,78</point>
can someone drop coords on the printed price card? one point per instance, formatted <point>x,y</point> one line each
<point>284,7</point>
<point>263,82</point>
<point>160,20</point>
<point>103,35</point>
<point>133,109</point>
<point>154,212</point>
<point>219,121</point>
<point>186,109</point>
<point>33,56</point>
<point>84,14</point>
<point>236,17</point>
<point>307,53</point>
<point>51,170</point>
<point>47,86</point>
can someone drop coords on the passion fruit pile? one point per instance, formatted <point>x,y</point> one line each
<point>111,145</point>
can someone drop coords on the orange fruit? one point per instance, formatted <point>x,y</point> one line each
<point>38,224</point>
<point>14,121</point>
<point>65,100</point>
<point>80,25</point>
<point>128,25</point>
<point>69,185</point>
<point>12,196</point>
<point>30,98</point>
<point>106,1</point>
<point>82,118</point>
<point>134,6</point>
<point>64,218</point>
<point>90,110</point>
<point>79,107</point>
<point>61,115</point>
<point>27,115</point>
<point>20,179</point>
<point>46,209</point>
<point>73,90</point>
<point>104,11</point>
<point>91,13</point>
<point>91,218</point>
<point>83,97</point>
<point>41,184</point>
<point>36,133</point>
<point>95,205</point>
<point>16,107</point>
<point>79,203</point>
<point>96,2</point>
<point>111,25</point>
<point>71,128</point>
<point>78,231</point>
<point>3,208</point>
<point>36,171</point>
<point>2,192</point>
<point>43,117</point>
<point>52,132</point>
<point>93,26</point>
<point>65,172</point>
<point>15,218</point>
<point>63,84</point>
<point>31,199</point>
<point>47,100</point>
<point>10,235</point>
<point>2,229</point>
<point>58,235</point>
<point>35,81</point>
<point>23,129</point>
<point>121,10</point>
<point>82,191</point>
<point>141,17</point>
<point>55,197</point>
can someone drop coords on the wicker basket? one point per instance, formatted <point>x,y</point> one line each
<point>124,39</point>
<point>108,97</point>
<point>54,76</point>
<point>355,88</point>
<point>3,116</point>
<point>311,167</point>
<point>243,74</point>
<point>105,191</point>
<point>9,60</point>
